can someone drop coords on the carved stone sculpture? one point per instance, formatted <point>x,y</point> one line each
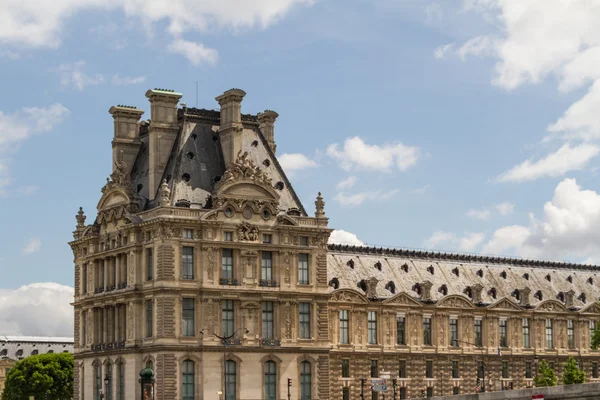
<point>371,287</point>
<point>164,194</point>
<point>426,290</point>
<point>247,232</point>
<point>319,207</point>
<point>244,167</point>
<point>130,322</point>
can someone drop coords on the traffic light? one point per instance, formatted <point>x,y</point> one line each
<point>289,382</point>
<point>422,392</point>
<point>394,382</point>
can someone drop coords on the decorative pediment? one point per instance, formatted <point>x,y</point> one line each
<point>505,304</point>
<point>285,220</point>
<point>403,299</point>
<point>551,306</point>
<point>250,304</point>
<point>455,301</point>
<point>348,296</point>
<point>118,198</point>
<point>593,308</point>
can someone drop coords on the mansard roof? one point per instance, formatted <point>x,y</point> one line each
<point>401,270</point>
<point>196,162</point>
<point>18,347</point>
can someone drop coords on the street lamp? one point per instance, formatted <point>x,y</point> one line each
<point>224,341</point>
<point>106,382</point>
<point>147,382</point>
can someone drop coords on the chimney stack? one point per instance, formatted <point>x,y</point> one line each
<point>230,129</point>
<point>162,133</point>
<point>267,126</point>
<point>126,142</point>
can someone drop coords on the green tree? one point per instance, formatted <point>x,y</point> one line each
<point>572,373</point>
<point>596,337</point>
<point>545,376</point>
<point>41,375</point>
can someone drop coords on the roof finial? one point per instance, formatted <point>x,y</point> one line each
<point>164,193</point>
<point>80,217</point>
<point>320,207</point>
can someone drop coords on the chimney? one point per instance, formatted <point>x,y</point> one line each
<point>162,133</point>
<point>267,127</point>
<point>230,129</point>
<point>126,142</point>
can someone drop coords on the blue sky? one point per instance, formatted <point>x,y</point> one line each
<point>459,126</point>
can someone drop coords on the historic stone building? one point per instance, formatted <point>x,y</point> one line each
<point>203,264</point>
<point>16,348</point>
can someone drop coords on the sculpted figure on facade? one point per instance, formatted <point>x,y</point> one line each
<point>130,268</point>
<point>288,321</point>
<point>89,324</point>
<point>164,194</point>
<point>247,232</point>
<point>130,324</point>
<point>210,265</point>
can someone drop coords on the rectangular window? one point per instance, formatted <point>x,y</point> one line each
<point>374,369</point>
<point>427,331</point>
<point>267,238</point>
<point>187,262</point>
<point>345,393</point>
<point>549,336</point>
<point>372,327</point>
<point>304,320</point>
<point>374,395</point>
<point>227,317</point>
<point>401,330</point>
<point>228,236</point>
<point>592,329</point>
<point>453,332</point>
<point>594,369</point>
<point>571,334</point>
<point>227,264</point>
<point>303,269</point>
<point>456,390</point>
<point>402,393</point>
<point>344,326</point>
<point>187,317</point>
<point>480,369</point>
<point>505,369</point>
<point>303,240</point>
<point>528,369</point>
<point>267,266</point>
<point>402,369</point>
<point>345,368</point>
<point>428,369</point>
<point>478,333</point>
<point>503,333</point>
<point>526,335</point>
<point>149,264</point>
<point>188,234</point>
<point>84,278</point>
<point>149,318</point>
<point>455,369</point>
<point>267,320</point>
<point>430,392</point>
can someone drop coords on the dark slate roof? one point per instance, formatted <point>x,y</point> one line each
<point>17,347</point>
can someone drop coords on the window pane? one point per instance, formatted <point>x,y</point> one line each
<point>453,332</point>
<point>478,333</point>
<point>267,266</point>
<point>149,264</point>
<point>227,264</point>
<point>230,380</point>
<point>503,341</point>
<point>305,381</point>
<point>345,368</point>
<point>372,327</point>
<point>526,342</point>
<point>549,342</point>
<point>427,331</point>
<point>344,326</point>
<point>187,312</point>
<point>303,269</point>
<point>270,381</point>
<point>374,369</point>
<point>149,318</point>
<point>267,320</point>
<point>187,262</point>
<point>187,380</point>
<point>227,317</point>
<point>401,330</point>
<point>304,320</point>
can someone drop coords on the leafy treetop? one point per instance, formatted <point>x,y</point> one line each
<point>545,376</point>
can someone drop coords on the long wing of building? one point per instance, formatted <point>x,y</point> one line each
<point>202,265</point>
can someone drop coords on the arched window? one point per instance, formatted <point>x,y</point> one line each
<point>230,380</point>
<point>97,381</point>
<point>121,381</point>
<point>305,381</point>
<point>187,380</point>
<point>270,380</point>
<point>108,394</point>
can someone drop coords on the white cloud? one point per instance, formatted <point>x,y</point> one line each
<point>356,154</point>
<point>32,246</point>
<point>564,160</point>
<point>195,53</point>
<point>340,236</point>
<point>505,208</point>
<point>468,242</point>
<point>569,228</point>
<point>9,55</point>
<point>434,13</point>
<point>39,23</point>
<point>441,51</point>
<point>127,80</point>
<point>356,199</point>
<point>581,120</point>
<point>483,215</point>
<point>295,162</point>
<point>477,46</point>
<point>72,74</point>
<point>37,309</point>
<point>347,183</point>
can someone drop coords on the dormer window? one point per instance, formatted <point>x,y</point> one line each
<point>561,297</point>
<point>431,269</point>
<point>468,292</point>
<point>492,292</point>
<point>590,281</point>
<point>538,295</point>
<point>548,278</point>
<point>526,276</point>
<point>404,267</point>
<point>391,286</point>
<point>350,263</point>
<point>582,297</point>
<point>417,288</point>
<point>516,294</point>
<point>480,273</point>
<point>334,283</point>
<point>570,279</point>
<point>503,274</point>
<point>378,265</point>
<point>443,290</point>
<point>363,285</point>
<point>455,271</point>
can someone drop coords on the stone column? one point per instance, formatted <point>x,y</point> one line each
<point>118,270</point>
<point>105,273</point>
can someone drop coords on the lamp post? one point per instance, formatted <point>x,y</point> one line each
<point>147,382</point>
<point>106,382</point>
<point>224,340</point>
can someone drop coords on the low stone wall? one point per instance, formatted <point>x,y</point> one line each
<point>584,391</point>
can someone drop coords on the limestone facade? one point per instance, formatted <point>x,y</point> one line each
<point>203,264</point>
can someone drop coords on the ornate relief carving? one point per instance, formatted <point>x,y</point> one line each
<point>359,328</point>
<point>210,315</point>
<point>288,321</point>
<point>164,230</point>
<point>247,232</point>
<point>130,321</point>
<point>347,297</point>
<point>210,257</point>
<point>89,327</point>
<point>551,306</point>
<point>506,305</point>
<point>90,277</point>
<point>403,299</point>
<point>244,167</point>
<point>130,268</point>
<point>455,302</point>
<point>320,240</point>
<point>286,266</point>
